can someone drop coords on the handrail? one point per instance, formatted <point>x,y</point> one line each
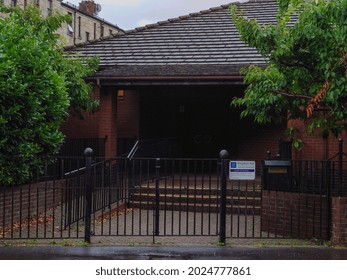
<point>336,155</point>
<point>340,154</point>
<point>150,147</point>
<point>80,170</point>
<point>133,150</point>
<point>74,172</point>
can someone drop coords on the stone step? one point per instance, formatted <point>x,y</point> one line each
<point>199,207</point>
<point>179,197</point>
<point>242,192</point>
<point>205,199</point>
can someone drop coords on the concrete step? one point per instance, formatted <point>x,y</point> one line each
<point>198,207</point>
<point>242,200</point>
<point>205,199</point>
<point>198,191</point>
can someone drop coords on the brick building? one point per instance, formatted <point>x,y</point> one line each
<point>175,79</point>
<point>85,26</point>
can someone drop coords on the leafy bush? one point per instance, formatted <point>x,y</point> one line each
<point>39,83</point>
<point>306,73</point>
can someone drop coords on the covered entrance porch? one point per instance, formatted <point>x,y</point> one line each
<point>194,121</point>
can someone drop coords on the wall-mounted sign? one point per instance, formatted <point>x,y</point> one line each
<point>242,170</point>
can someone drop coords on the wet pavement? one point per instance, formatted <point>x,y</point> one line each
<point>169,253</point>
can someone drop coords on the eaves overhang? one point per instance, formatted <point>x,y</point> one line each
<point>122,81</point>
<point>183,74</point>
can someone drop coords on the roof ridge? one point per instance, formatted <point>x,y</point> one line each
<point>190,15</point>
<point>154,25</point>
<point>179,18</point>
<point>168,21</point>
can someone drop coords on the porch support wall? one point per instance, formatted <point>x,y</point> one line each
<point>128,114</point>
<point>101,124</point>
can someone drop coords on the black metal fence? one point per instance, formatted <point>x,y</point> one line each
<point>86,197</point>
<point>74,147</point>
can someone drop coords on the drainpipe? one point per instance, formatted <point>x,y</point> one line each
<point>74,27</point>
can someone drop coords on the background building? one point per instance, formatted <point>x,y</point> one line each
<point>85,25</point>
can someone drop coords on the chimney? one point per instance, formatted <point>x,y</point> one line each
<point>88,7</point>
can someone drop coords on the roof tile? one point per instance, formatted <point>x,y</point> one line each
<point>188,45</point>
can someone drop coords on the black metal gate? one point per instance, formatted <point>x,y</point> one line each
<point>171,197</point>
<point>193,197</point>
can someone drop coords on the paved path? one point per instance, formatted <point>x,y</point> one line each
<point>137,227</point>
<point>170,253</point>
<point>163,247</point>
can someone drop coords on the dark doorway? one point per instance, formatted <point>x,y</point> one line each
<point>200,119</point>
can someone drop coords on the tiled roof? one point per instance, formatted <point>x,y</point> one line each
<point>200,44</point>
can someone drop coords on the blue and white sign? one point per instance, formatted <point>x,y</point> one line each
<point>242,170</point>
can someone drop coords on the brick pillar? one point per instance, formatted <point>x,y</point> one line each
<point>107,120</point>
<point>128,115</point>
<point>101,124</point>
<point>339,220</point>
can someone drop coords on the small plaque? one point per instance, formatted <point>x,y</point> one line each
<point>242,170</point>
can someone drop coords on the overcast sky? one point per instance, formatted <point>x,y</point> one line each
<point>128,14</point>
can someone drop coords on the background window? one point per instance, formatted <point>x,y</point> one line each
<point>79,27</point>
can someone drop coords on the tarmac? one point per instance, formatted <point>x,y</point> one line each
<point>170,253</point>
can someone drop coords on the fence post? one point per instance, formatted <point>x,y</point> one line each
<point>88,153</point>
<point>130,182</point>
<point>340,165</point>
<point>223,195</point>
<point>157,196</point>
<point>328,199</point>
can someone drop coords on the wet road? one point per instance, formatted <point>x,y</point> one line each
<point>169,253</point>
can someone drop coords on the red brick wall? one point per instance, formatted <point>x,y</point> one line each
<point>119,119</point>
<point>294,215</point>
<point>255,148</point>
<point>128,115</point>
<point>101,124</point>
<point>339,220</point>
<point>315,147</point>
<point>107,117</point>
<point>86,127</point>
<point>29,200</point>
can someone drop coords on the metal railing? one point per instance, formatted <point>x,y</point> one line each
<point>153,148</point>
<point>168,197</point>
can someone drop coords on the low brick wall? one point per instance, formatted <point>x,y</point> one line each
<point>295,215</point>
<point>29,200</point>
<point>339,220</point>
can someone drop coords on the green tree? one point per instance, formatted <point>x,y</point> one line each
<point>306,72</point>
<point>39,84</point>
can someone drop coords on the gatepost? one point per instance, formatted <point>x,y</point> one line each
<point>223,195</point>
<point>88,153</point>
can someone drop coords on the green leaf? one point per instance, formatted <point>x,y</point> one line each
<point>302,56</point>
<point>39,84</point>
